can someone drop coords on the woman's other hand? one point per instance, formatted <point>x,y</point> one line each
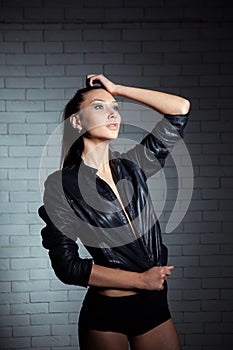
<point>93,79</point>
<point>153,279</point>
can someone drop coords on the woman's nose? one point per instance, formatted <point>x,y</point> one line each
<point>112,115</point>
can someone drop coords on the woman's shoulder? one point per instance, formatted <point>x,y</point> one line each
<point>61,176</point>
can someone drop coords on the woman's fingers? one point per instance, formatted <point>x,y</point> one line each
<point>102,80</point>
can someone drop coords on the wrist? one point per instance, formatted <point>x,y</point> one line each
<point>140,282</point>
<point>117,90</point>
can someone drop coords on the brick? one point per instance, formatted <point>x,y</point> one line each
<point>217,283</point>
<point>52,341</point>
<point>2,59</point>
<point>63,35</point>
<point>6,332</point>
<point>203,294</point>
<point>33,263</point>
<point>86,14</point>
<point>24,331</point>
<point>44,12</point>
<point>211,339</point>
<point>26,128</point>
<point>201,250</point>
<point>179,81</point>
<point>26,35</point>
<point>12,94</point>
<point>101,34</point>
<point>15,343</point>
<point>156,69</point>
<point>41,274</point>
<point>24,83</point>
<point>4,241</point>
<point>123,69</point>
<point>43,117</point>
<point>56,284</point>
<point>13,163</point>
<point>16,71</point>
<point>18,151</point>
<point>4,263</point>
<point>35,140</point>
<point>186,306</point>
<point>29,286</point>
<point>185,261</point>
<point>3,129</point>
<point>139,58</point>
<point>53,319</point>
<point>49,296</point>
<point>11,47</point>
<point>12,117</point>
<point>14,275</point>
<point>43,94</point>
<point>161,46</point>
<point>55,106</point>
<point>68,306</point>
<point>25,59</point>
<point>4,150</point>
<point>185,283</point>
<point>22,219</point>
<point>58,59</point>
<point>63,82</point>
<point>45,71</point>
<point>64,329</point>
<point>14,229</point>
<point>121,46</point>
<point>49,47</point>
<point>13,208</point>
<point>25,241</point>
<point>213,316</point>
<point>13,3</point>
<point>74,295</point>
<point>208,260</point>
<point>29,308</point>
<point>11,320</point>
<point>103,3</point>
<point>13,298</point>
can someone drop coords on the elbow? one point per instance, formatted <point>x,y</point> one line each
<point>185,107</point>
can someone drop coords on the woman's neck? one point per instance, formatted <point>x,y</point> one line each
<point>95,153</point>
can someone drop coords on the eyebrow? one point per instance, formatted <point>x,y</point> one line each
<point>99,99</point>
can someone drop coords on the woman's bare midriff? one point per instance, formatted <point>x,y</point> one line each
<point>116,292</point>
<point>107,177</point>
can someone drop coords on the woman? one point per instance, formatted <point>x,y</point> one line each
<point>101,197</point>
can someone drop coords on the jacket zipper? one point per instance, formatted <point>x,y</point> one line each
<point>126,215</point>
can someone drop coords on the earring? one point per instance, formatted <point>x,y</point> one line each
<point>79,130</point>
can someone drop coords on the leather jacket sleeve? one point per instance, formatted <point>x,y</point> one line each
<point>68,266</point>
<point>151,153</point>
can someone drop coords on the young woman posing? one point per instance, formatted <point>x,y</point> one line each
<point>126,302</point>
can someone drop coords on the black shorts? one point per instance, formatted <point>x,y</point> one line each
<point>131,315</point>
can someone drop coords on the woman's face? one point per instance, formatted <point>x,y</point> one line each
<point>99,115</point>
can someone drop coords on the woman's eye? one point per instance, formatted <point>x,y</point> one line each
<point>99,106</point>
<point>116,108</point>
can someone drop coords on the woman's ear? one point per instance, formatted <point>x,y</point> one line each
<point>75,122</point>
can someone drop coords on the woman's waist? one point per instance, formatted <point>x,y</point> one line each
<point>116,292</point>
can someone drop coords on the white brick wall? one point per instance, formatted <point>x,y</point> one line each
<point>46,49</point>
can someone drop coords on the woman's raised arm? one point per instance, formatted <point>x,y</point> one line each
<point>162,102</point>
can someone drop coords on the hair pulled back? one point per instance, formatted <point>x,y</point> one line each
<point>71,138</point>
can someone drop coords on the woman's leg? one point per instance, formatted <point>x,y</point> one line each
<point>162,337</point>
<point>97,340</point>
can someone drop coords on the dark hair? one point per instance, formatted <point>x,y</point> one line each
<point>71,139</point>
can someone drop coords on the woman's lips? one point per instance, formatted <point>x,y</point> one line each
<point>112,126</point>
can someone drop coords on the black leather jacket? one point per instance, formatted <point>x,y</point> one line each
<point>80,205</point>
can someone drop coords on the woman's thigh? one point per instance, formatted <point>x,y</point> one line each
<point>162,337</point>
<point>97,340</point>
